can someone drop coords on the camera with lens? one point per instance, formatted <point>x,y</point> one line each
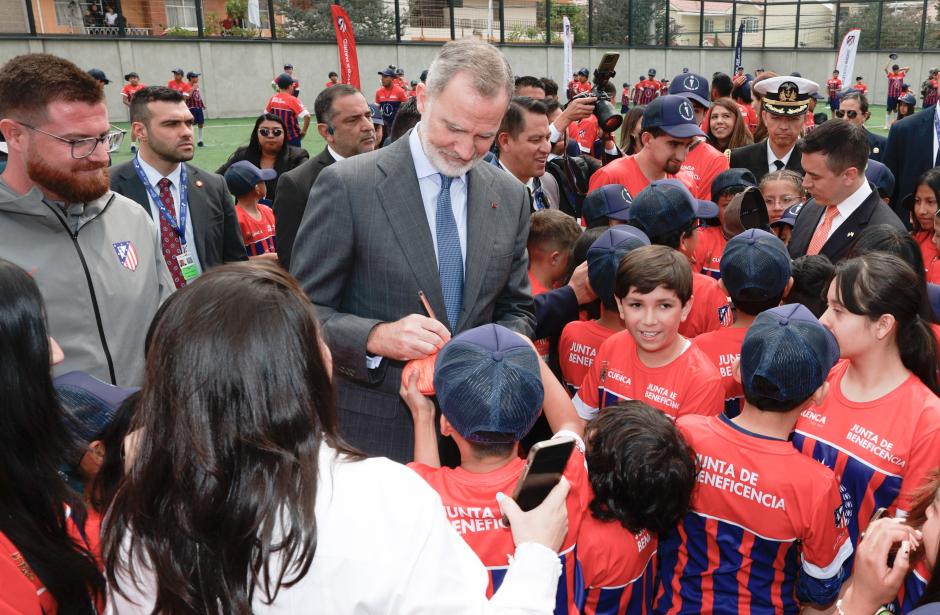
<point>607,116</point>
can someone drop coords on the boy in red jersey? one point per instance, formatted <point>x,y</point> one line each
<point>580,339</point>
<point>490,385</point>
<point>177,83</point>
<point>650,361</point>
<point>669,216</point>
<point>246,183</point>
<point>650,88</point>
<point>767,529</point>
<point>895,83</point>
<point>704,163</point>
<point>833,85</point>
<point>552,234</point>
<point>642,474</point>
<point>288,107</point>
<point>755,272</point>
<point>127,94</point>
<point>582,83</point>
<point>389,96</point>
<point>711,239</point>
<point>668,128</point>
<point>860,86</point>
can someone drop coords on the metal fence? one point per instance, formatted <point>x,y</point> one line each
<point>772,24</point>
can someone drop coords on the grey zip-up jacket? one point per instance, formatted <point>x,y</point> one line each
<point>101,273</point>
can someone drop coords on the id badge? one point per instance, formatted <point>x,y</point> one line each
<point>187,266</point>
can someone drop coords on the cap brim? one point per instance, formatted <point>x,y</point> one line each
<point>268,174</point>
<point>683,131</point>
<point>791,222</point>
<point>622,215</point>
<point>705,209</point>
<point>693,96</point>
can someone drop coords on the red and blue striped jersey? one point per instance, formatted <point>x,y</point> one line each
<point>764,526</point>
<point>723,347</point>
<point>289,110</point>
<point>915,584</point>
<point>195,100</point>
<point>880,451</point>
<point>617,569</point>
<point>649,89</point>
<point>470,506</point>
<point>895,83</point>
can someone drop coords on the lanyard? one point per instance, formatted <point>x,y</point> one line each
<point>179,229</point>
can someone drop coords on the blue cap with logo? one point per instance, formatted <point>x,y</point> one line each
<point>489,386</point>
<point>789,351</point>
<point>755,266</point>
<point>674,115</point>
<point>242,176</point>
<point>666,206</point>
<point>388,72</point>
<point>692,86</point>
<point>603,258</point>
<point>607,202</point>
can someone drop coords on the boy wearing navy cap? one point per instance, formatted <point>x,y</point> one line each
<point>607,206</point>
<point>491,385</point>
<point>755,273</point>
<point>246,183</point>
<point>670,216</point>
<point>177,83</point>
<point>649,88</point>
<point>667,131</point>
<point>580,339</point>
<point>766,529</point>
<point>389,96</point>
<point>711,239</point>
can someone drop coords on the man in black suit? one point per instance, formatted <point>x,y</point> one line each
<point>911,150</point>
<point>344,120</point>
<point>192,208</point>
<point>853,107</point>
<point>784,106</point>
<point>844,204</point>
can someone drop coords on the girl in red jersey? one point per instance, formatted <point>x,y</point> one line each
<point>923,207</point>
<point>879,427</point>
<point>45,562</point>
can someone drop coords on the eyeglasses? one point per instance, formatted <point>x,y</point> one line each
<point>83,148</point>
<point>852,114</point>
<point>270,132</point>
<point>784,201</point>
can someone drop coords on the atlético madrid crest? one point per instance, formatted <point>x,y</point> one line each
<point>126,254</point>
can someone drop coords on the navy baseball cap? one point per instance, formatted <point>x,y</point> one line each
<point>488,384</point>
<point>691,86</point>
<point>388,72</point>
<point>610,201</point>
<point>651,72</point>
<point>787,219</point>
<point>90,402</point>
<point>674,115</point>
<point>177,71</point>
<point>192,74</point>
<point>732,178</point>
<point>128,76</point>
<point>288,67</point>
<point>377,117</point>
<point>603,258</point>
<point>881,176</point>
<point>755,266</point>
<point>789,351</point>
<point>399,71</point>
<point>284,81</point>
<point>665,206</point>
<point>584,72</point>
<point>908,99</point>
<point>98,75</point>
<point>242,176</point>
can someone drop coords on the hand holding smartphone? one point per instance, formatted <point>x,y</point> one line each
<point>543,469</point>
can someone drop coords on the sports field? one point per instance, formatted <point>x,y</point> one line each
<point>222,137</point>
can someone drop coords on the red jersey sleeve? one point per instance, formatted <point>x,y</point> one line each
<point>826,543</point>
<point>924,455</point>
<point>586,401</point>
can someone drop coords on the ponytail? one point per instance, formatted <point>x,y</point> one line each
<point>879,283</point>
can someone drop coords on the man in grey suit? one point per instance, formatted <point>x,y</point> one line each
<point>420,216</point>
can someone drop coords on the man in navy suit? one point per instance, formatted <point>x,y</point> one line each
<point>911,150</point>
<point>853,107</point>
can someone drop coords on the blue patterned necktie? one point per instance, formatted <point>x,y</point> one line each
<point>449,255</point>
<point>538,203</point>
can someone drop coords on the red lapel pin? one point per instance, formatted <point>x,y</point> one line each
<point>494,205</point>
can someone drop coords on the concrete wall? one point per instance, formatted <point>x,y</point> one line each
<point>237,75</point>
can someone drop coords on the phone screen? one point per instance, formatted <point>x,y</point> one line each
<point>543,470</point>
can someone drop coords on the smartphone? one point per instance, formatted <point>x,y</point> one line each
<point>754,210</point>
<point>543,470</point>
<point>608,62</point>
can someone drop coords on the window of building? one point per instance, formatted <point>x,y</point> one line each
<point>181,13</point>
<point>751,24</point>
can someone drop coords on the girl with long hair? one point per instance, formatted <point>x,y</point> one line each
<point>726,126</point>
<point>268,149</point>
<point>46,564</point>
<point>240,497</point>
<point>879,426</point>
<point>630,143</point>
<point>923,205</point>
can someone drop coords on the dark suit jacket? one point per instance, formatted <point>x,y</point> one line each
<point>876,146</point>
<point>908,154</point>
<point>291,200</point>
<point>754,158</point>
<point>211,208</point>
<point>365,250</point>
<point>872,211</point>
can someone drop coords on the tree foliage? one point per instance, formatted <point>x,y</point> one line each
<point>372,19</point>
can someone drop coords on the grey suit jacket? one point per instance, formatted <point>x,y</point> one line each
<point>218,237</point>
<point>365,250</point>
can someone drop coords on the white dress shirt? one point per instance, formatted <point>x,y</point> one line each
<point>771,157</point>
<point>384,545</point>
<point>847,207</point>
<point>333,153</point>
<point>154,177</point>
<point>429,181</point>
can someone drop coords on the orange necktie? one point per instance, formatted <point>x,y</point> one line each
<point>822,232</point>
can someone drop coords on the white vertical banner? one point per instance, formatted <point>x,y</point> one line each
<point>845,64</point>
<point>567,37</point>
<point>254,13</point>
<point>489,20</point>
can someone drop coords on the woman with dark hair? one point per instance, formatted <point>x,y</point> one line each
<point>268,149</point>
<point>241,498</point>
<point>923,205</point>
<point>879,426</point>
<point>886,238</point>
<point>726,126</point>
<point>45,562</point>
<point>630,143</point>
